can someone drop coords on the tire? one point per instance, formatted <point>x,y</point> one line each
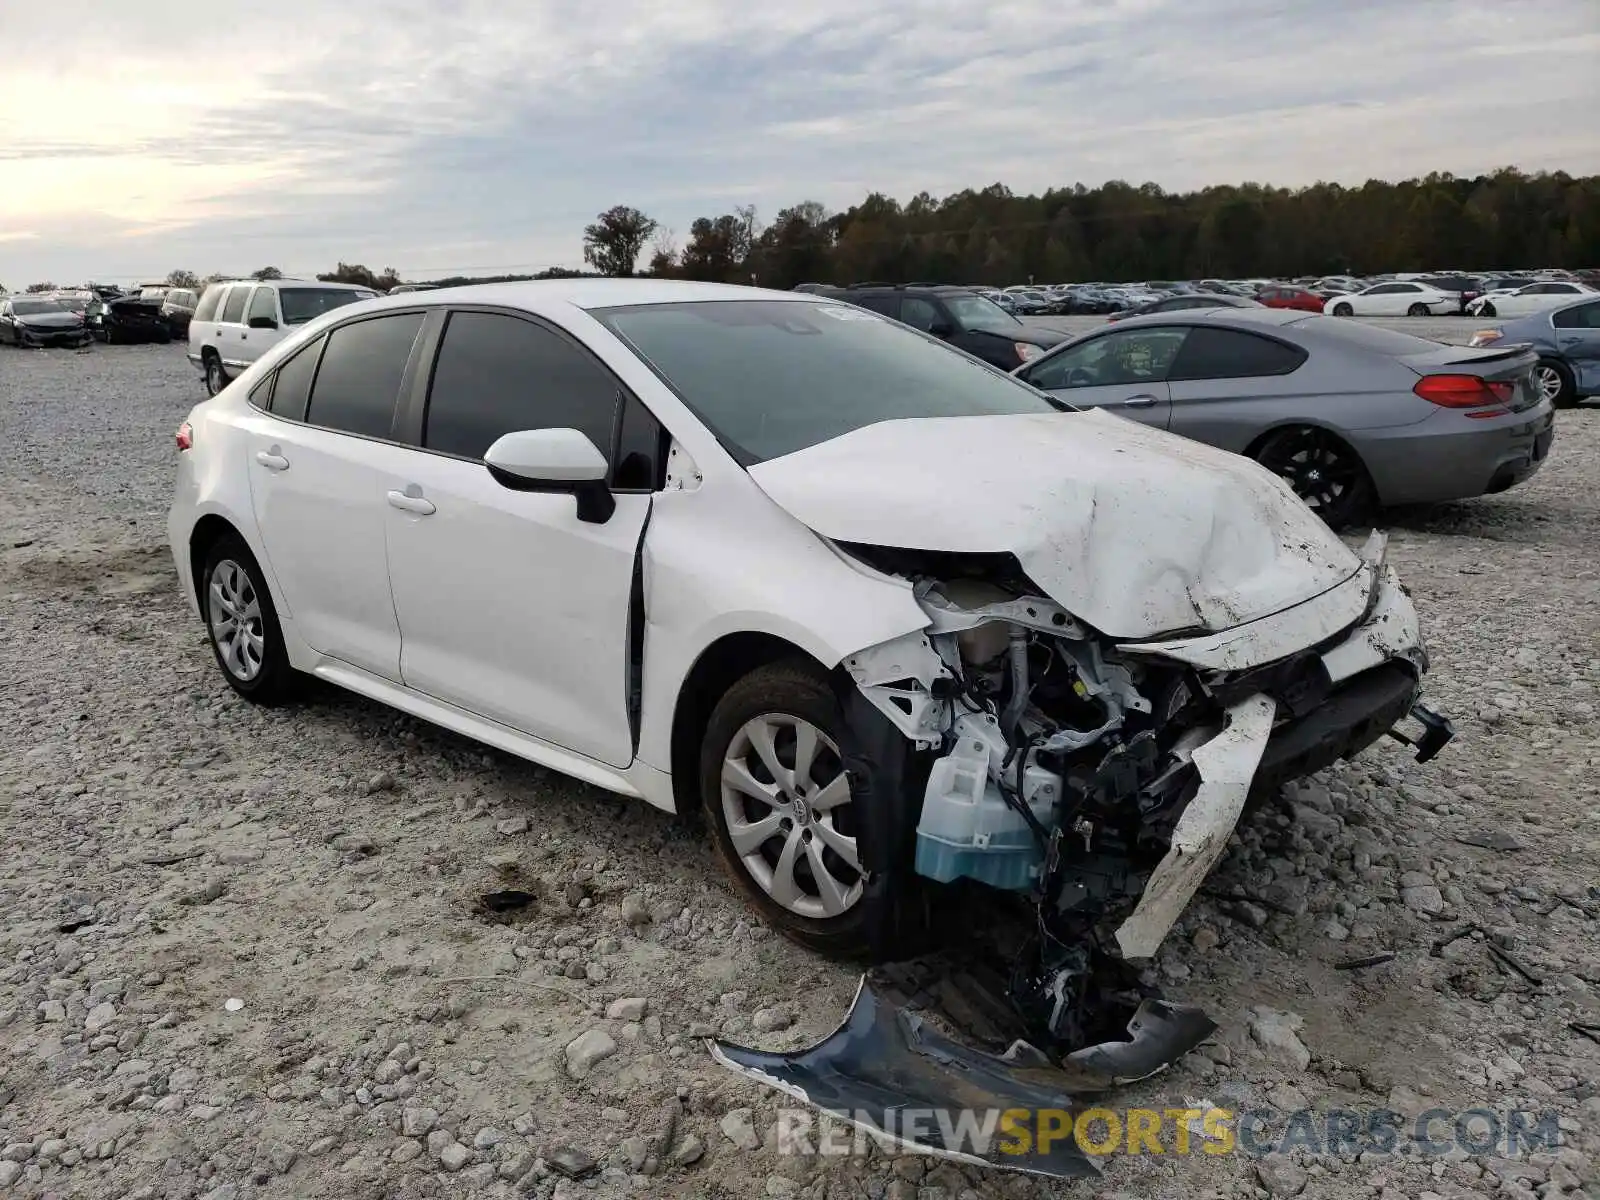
<point>1343,310</point>
<point>873,909</point>
<point>1323,471</point>
<point>216,375</point>
<point>1555,383</point>
<point>234,596</point>
<point>1418,310</point>
<point>1486,311</point>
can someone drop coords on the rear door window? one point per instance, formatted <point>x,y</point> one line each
<point>1210,353</point>
<point>887,304</point>
<point>920,313</point>
<point>233,306</point>
<point>360,374</point>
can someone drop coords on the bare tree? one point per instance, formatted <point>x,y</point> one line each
<point>41,287</point>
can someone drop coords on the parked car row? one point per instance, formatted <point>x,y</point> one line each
<point>1427,294</point>
<point>77,316</point>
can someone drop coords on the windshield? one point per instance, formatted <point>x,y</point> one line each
<point>979,312</point>
<point>770,377</point>
<point>25,307</point>
<point>301,304</point>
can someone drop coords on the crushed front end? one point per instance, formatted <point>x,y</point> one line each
<point>1098,782</point>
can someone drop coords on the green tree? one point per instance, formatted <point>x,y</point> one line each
<point>267,273</point>
<point>612,244</point>
<point>183,279</point>
<point>41,287</point>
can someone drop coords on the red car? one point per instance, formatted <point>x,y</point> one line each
<point>1290,297</point>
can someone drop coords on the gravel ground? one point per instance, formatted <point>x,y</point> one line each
<point>170,850</point>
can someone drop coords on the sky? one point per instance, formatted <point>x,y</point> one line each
<point>464,137</point>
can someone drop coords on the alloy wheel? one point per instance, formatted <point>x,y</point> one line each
<point>786,801</point>
<point>1549,381</point>
<point>215,380</point>
<point>234,616</point>
<point>1317,466</point>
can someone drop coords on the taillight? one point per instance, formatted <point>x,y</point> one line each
<point>185,436</point>
<point>1464,391</point>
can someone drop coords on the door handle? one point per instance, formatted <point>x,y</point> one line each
<point>272,460</point>
<point>406,502</point>
<point>1143,401</point>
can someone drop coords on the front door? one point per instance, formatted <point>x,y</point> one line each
<point>509,605</point>
<point>1124,372</point>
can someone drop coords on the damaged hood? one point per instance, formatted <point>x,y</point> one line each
<point>1136,531</point>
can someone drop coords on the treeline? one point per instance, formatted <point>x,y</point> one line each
<point>1117,232</point>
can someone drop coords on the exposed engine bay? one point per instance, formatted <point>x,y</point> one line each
<point>1098,783</point>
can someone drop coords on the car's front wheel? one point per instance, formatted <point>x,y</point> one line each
<point>1556,383</point>
<point>216,376</point>
<point>792,832</point>
<point>243,624</point>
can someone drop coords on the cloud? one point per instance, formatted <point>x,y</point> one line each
<point>441,134</point>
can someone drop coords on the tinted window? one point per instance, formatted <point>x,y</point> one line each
<point>360,374</point>
<point>770,377</point>
<point>496,374</point>
<point>300,304</point>
<point>920,314</point>
<point>263,304</point>
<point>1579,316</point>
<point>208,304</point>
<point>641,449</point>
<point>1228,354</point>
<point>233,306</point>
<point>888,305</point>
<point>293,388</point>
<point>1127,356</point>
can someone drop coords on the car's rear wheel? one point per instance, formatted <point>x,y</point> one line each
<point>1556,383</point>
<point>243,624</point>
<point>1343,310</point>
<point>1417,310</point>
<point>1323,471</point>
<point>793,833</point>
<point>216,376</point>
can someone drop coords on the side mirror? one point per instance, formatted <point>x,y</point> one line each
<point>263,323</point>
<point>554,460</point>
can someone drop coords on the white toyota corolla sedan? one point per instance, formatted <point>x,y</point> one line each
<point>889,617</point>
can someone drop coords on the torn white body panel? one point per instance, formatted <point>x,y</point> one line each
<point>1132,530</point>
<point>1226,765</point>
<point>1391,630</point>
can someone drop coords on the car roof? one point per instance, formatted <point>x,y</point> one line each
<point>589,293</point>
<point>1222,314</point>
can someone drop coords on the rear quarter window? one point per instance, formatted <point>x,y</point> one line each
<point>233,306</point>
<point>207,308</point>
<point>1212,353</point>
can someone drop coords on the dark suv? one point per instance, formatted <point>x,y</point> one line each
<point>958,315</point>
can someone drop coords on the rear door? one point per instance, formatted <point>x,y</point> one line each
<point>228,333</point>
<point>315,459</point>
<point>1577,335</point>
<point>1227,385</point>
<point>1123,371</point>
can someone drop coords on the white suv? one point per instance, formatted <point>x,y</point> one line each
<point>238,321</point>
